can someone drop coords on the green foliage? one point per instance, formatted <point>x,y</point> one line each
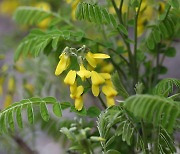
<point>38,40</point>
<point>166,144</point>
<point>119,86</point>
<point>165,29</point>
<point>154,109</point>
<point>7,119</point>
<point>31,15</point>
<point>118,121</point>
<point>166,86</point>
<point>95,13</point>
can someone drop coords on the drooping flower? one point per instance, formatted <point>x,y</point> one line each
<point>91,58</point>
<point>63,63</point>
<point>83,73</point>
<point>70,77</point>
<point>110,93</point>
<point>97,80</point>
<point>76,94</point>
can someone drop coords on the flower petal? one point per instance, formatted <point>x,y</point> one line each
<point>91,60</point>
<point>79,91</point>
<point>95,90</point>
<point>109,91</point>
<point>106,76</point>
<point>62,65</point>
<point>110,101</point>
<point>100,56</point>
<point>79,103</point>
<point>96,78</point>
<point>83,73</point>
<point>70,77</point>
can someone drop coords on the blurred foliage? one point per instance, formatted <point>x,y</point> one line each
<point>120,45</point>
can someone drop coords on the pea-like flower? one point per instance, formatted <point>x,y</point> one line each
<point>91,58</point>
<point>97,80</point>
<point>63,63</point>
<point>70,77</point>
<point>110,93</point>
<point>76,94</point>
<point>83,73</point>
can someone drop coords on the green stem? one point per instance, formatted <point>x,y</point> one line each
<point>117,11</point>
<point>135,42</point>
<point>124,38</point>
<point>120,9</point>
<point>144,137</point>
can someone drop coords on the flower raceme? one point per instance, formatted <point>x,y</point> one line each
<point>98,80</point>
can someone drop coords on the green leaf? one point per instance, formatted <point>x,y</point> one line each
<point>44,111</point>
<point>94,13</point>
<point>19,117</point>
<point>170,52</point>
<point>157,35</point>
<point>119,86</point>
<point>57,109</point>
<point>37,41</point>
<point>11,120</point>
<point>30,113</point>
<point>32,15</point>
<point>150,43</point>
<point>166,86</point>
<point>112,151</point>
<point>163,30</point>
<point>174,3</point>
<point>149,107</point>
<point>123,29</point>
<point>93,111</point>
<point>83,112</point>
<point>98,14</point>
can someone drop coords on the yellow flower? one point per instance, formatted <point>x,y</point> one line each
<point>110,101</point>
<point>70,77</point>
<point>91,58</point>
<point>1,84</point>
<point>7,7</point>
<point>46,7</point>
<point>108,68</point>
<point>106,76</point>
<point>110,92</point>
<point>63,64</point>
<point>11,84</point>
<point>161,7</point>
<point>76,94</point>
<point>79,103</point>
<point>4,68</point>
<point>83,73</point>
<point>29,87</point>
<point>146,14</point>
<point>96,79</point>
<point>8,100</point>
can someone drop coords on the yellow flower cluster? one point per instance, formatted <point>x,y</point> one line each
<point>97,79</point>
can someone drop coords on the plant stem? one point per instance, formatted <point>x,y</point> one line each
<point>135,42</point>
<point>144,137</point>
<point>124,38</point>
<point>117,11</point>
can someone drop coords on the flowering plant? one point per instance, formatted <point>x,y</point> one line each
<point>115,58</point>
